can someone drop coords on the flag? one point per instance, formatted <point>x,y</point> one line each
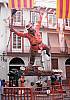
<point>19,4</point>
<point>63,9</point>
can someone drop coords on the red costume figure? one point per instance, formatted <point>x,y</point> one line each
<point>35,39</point>
<point>22,81</point>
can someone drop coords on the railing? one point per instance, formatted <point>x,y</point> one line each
<point>17,93</point>
<point>43,96</point>
<point>53,49</point>
<point>23,93</point>
<point>60,94</point>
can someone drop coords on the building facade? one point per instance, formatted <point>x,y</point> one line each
<point>15,50</point>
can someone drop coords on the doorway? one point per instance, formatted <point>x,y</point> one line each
<point>14,68</point>
<point>67,64</point>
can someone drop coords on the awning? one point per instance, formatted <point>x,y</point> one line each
<point>54,42</point>
<point>19,4</point>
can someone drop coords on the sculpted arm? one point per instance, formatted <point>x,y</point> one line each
<point>21,34</point>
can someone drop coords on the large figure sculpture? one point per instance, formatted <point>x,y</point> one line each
<point>35,38</point>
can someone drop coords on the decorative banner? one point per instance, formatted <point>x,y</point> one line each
<point>19,4</point>
<point>63,9</point>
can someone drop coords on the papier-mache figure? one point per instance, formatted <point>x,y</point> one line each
<point>34,37</point>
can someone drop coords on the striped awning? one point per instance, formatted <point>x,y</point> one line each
<point>19,4</point>
<point>63,9</point>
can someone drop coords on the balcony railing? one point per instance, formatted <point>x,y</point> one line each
<point>52,50</point>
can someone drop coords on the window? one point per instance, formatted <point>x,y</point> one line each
<point>54,63</point>
<point>17,43</point>
<point>17,20</point>
<point>52,21</point>
<point>34,17</point>
<point>26,45</point>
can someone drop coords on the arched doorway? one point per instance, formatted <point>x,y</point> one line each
<point>67,64</point>
<point>16,63</point>
<point>14,69</point>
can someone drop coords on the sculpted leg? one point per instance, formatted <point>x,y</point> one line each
<point>32,57</point>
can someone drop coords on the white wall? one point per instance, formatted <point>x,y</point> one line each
<point>30,79</point>
<point>4,34</point>
<point>4,29</point>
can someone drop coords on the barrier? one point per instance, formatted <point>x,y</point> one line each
<point>23,93</point>
<point>17,93</point>
<point>40,95</point>
<point>57,93</point>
